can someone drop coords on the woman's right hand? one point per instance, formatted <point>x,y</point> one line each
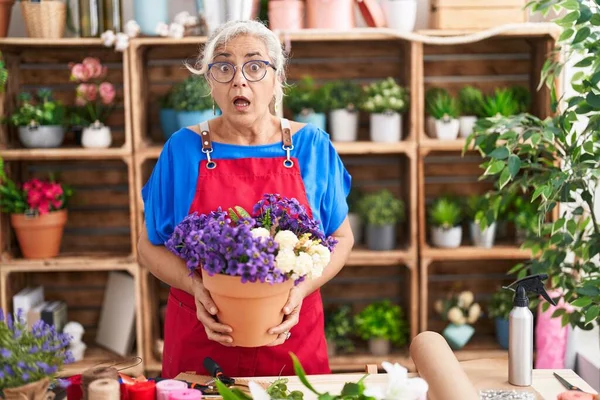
<point>205,311</point>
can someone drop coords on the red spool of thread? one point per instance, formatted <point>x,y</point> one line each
<point>142,391</point>
<point>74,391</point>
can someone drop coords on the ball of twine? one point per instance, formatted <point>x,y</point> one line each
<point>104,389</point>
<point>93,374</point>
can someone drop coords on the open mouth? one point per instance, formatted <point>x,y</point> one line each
<point>241,102</point>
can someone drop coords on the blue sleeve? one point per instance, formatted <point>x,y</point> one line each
<point>158,196</point>
<point>334,206</point>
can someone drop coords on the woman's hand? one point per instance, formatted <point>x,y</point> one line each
<point>205,310</point>
<point>291,310</point>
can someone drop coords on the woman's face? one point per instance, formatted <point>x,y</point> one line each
<point>244,98</point>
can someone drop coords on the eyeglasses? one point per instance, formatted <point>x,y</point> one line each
<point>253,70</point>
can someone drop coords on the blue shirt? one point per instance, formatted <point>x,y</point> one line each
<point>169,191</point>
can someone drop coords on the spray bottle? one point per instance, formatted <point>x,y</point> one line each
<point>520,330</point>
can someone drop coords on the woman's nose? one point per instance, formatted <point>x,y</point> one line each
<point>238,78</point>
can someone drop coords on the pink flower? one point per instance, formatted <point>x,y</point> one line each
<point>107,92</point>
<point>80,73</point>
<point>94,67</point>
<point>57,204</point>
<point>91,93</point>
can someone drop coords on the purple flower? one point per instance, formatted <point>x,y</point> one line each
<point>5,353</point>
<point>25,376</point>
<point>21,365</point>
<point>8,370</point>
<point>1,375</point>
<point>1,315</point>
<point>34,349</point>
<point>63,383</point>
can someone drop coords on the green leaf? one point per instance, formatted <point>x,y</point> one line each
<point>592,313</point>
<point>495,167</point>
<point>514,165</point>
<point>558,312</point>
<point>588,147</point>
<point>588,291</point>
<point>500,153</point>
<point>570,5</point>
<point>586,14</point>
<point>593,100</point>
<point>571,227</point>
<point>545,306</point>
<point>224,391</point>
<point>581,302</point>
<point>595,20</point>
<point>538,192</point>
<point>584,108</point>
<point>350,389</point>
<point>567,33</point>
<point>243,213</point>
<point>581,35</point>
<point>504,178</point>
<point>233,215</point>
<point>301,374</point>
<point>569,18</point>
<point>586,62</point>
<point>565,320</point>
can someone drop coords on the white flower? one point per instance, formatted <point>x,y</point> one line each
<point>108,38</point>
<point>286,239</point>
<point>122,42</point>
<point>286,260</point>
<point>439,306</point>
<point>132,28</point>
<point>465,299</point>
<point>456,316</point>
<point>176,31</point>
<point>257,392</point>
<point>304,265</point>
<point>260,232</point>
<point>321,255</point>
<point>399,387</point>
<point>181,17</point>
<point>162,29</point>
<point>474,313</point>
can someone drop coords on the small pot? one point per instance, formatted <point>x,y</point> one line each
<point>5,14</point>
<point>78,350</point>
<point>344,125</point>
<point>381,238</point>
<point>39,236</point>
<point>483,238</point>
<point>310,117</point>
<point>386,127</point>
<point>502,332</point>
<point>379,346</point>
<point>430,127</point>
<point>96,135</point>
<point>446,238</point>
<point>42,136</point>
<point>192,118</point>
<point>447,129</point>
<point>286,15</point>
<point>466,123</point>
<point>168,122</point>
<point>356,224</point>
<point>458,336</point>
<point>400,15</point>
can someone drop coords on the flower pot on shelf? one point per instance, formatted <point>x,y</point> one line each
<point>458,336</point>
<point>37,390</point>
<point>39,236</point>
<point>149,17</point>
<point>42,136</point>
<point>286,15</point>
<point>430,126</point>
<point>446,129</point>
<point>5,14</point>
<point>381,237</point>
<point>168,122</point>
<point>379,346</point>
<point>192,118</point>
<point>251,309</point>
<point>96,135</point>
<point>344,125</point>
<point>356,224</point>
<point>400,15</point>
<point>330,14</point>
<point>317,119</point>
<point>446,237</point>
<point>466,124</point>
<point>483,237</point>
<point>502,332</point>
<point>386,127</point>
<point>45,19</point>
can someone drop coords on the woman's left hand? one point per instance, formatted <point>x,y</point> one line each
<point>291,310</point>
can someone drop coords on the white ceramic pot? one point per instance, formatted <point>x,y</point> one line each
<point>96,136</point>
<point>446,130</point>
<point>344,125</point>
<point>466,123</point>
<point>430,127</point>
<point>400,14</point>
<point>386,127</point>
<point>356,225</point>
<point>379,347</point>
<point>446,238</point>
<point>42,136</point>
<point>78,350</point>
<point>483,238</point>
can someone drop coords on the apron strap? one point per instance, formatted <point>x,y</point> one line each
<point>288,146</point>
<point>207,144</point>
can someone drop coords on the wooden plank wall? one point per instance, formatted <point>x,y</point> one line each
<point>48,67</point>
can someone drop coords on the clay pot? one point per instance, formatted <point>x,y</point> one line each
<point>39,236</point>
<point>37,390</point>
<point>251,309</point>
<point>5,13</point>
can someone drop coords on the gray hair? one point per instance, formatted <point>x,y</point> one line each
<point>232,29</point>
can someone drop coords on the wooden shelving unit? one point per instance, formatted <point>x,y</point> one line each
<point>417,168</point>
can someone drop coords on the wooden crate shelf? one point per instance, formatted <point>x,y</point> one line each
<point>93,262</point>
<point>72,153</point>
<point>96,357</point>
<point>466,253</point>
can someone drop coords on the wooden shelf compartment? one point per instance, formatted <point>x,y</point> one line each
<point>44,63</point>
<point>498,62</point>
<point>82,286</point>
<point>465,253</point>
<point>100,214</point>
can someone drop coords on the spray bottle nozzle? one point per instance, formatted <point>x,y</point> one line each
<point>532,283</point>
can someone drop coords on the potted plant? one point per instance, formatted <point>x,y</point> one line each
<point>95,98</point>
<point>501,104</point>
<point>445,217</point>
<point>5,14</point>
<point>37,214</point>
<point>462,312</point>
<point>385,100</point>
<point>31,357</point>
<point>400,15</point>
<point>430,95</point>
<point>522,97</point>
<point>524,215</point>
<point>382,324</point>
<point>40,121</point>
<point>470,101</point>
<point>499,308</point>
<point>381,211</point>
<point>338,327</point>
<point>444,108</point>
<point>307,102</point>
<point>192,101</point>
<point>354,215</point>
<point>168,115</point>
<point>344,98</point>
<point>482,234</point>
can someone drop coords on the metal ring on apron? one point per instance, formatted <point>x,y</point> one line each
<point>288,163</point>
<point>210,164</point>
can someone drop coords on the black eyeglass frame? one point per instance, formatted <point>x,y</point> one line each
<point>267,63</point>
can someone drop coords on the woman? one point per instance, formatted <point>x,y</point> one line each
<point>232,160</point>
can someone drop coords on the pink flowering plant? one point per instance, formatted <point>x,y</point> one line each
<point>277,242</point>
<point>95,97</point>
<point>29,355</point>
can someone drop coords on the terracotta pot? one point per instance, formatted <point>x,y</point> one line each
<point>37,390</point>
<point>40,236</point>
<point>251,309</point>
<point>5,13</point>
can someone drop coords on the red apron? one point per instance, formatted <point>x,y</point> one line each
<point>226,183</point>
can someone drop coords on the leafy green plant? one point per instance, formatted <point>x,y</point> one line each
<point>381,208</point>
<point>501,103</point>
<point>353,199</point>
<point>524,214</point>
<point>3,74</point>
<point>434,92</point>
<point>385,96</point>
<point>559,159</point>
<point>40,111</point>
<point>192,94</point>
<point>501,303</point>
<point>445,212</point>
<point>167,101</point>
<point>343,95</point>
<point>338,327</point>
<point>443,106</point>
<point>522,97</point>
<point>470,101</point>
<point>382,320</point>
<point>305,96</point>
